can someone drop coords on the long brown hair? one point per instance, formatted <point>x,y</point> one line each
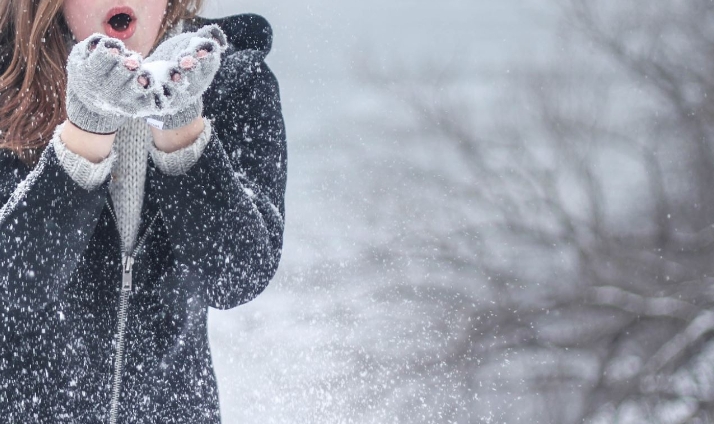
<point>33,54</point>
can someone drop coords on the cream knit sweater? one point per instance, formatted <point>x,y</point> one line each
<point>127,164</point>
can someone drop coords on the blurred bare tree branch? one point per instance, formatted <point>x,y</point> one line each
<point>573,222</point>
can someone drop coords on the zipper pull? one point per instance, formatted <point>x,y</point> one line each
<point>127,265</point>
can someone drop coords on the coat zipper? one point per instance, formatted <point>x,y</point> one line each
<point>127,264</point>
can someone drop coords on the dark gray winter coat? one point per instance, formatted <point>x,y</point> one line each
<point>216,242</point>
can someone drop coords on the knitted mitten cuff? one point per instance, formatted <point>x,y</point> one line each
<point>87,174</point>
<point>182,117</point>
<point>180,161</point>
<point>91,120</point>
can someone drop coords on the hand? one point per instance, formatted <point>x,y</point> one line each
<point>105,84</point>
<point>184,66</point>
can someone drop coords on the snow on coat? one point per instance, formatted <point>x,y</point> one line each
<point>216,242</point>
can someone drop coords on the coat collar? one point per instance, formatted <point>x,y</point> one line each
<point>244,32</point>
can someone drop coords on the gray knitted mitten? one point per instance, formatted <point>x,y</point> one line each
<point>103,87</point>
<point>184,66</point>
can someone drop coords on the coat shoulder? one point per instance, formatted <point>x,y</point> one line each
<point>244,32</point>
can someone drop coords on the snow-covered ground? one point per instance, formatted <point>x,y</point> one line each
<point>302,351</point>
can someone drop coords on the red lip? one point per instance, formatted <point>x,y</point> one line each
<point>129,31</point>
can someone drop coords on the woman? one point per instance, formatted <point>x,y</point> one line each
<point>141,181</point>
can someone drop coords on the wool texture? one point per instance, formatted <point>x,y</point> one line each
<point>127,165</point>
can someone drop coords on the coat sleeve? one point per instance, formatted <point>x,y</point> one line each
<point>46,222</point>
<point>225,215</point>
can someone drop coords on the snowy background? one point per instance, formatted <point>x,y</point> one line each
<point>497,211</point>
<point>300,353</point>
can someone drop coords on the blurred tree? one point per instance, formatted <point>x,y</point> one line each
<point>565,233</point>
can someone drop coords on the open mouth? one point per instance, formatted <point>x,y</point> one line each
<point>120,23</point>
